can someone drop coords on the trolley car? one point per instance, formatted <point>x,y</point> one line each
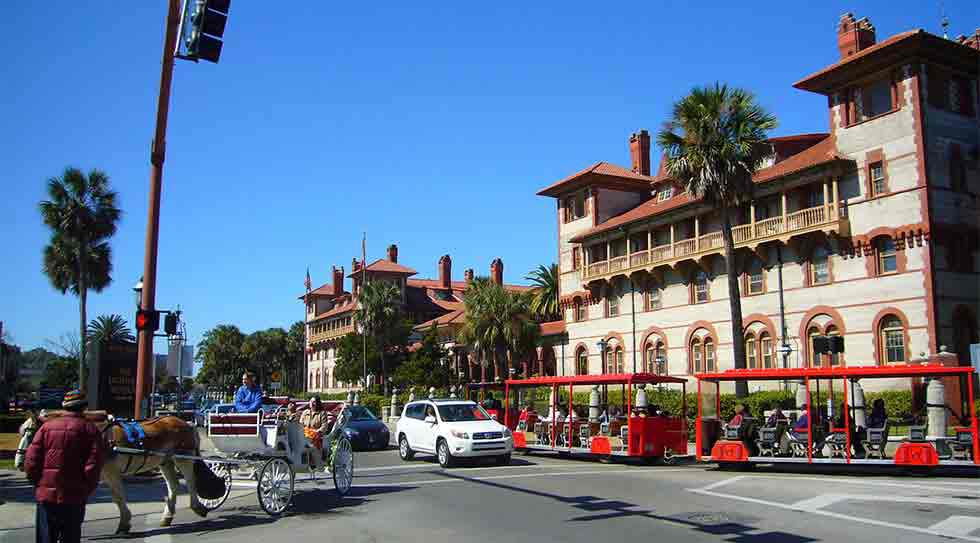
<point>638,430</point>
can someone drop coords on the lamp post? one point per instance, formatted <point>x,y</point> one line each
<point>601,344</point>
<point>138,292</point>
<point>661,367</point>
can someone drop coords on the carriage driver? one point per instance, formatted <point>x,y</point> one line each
<point>315,423</point>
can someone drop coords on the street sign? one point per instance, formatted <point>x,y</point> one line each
<point>276,376</point>
<point>275,385</point>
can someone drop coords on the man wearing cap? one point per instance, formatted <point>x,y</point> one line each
<point>64,462</point>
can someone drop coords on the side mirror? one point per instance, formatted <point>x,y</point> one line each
<point>430,419</point>
<point>493,417</point>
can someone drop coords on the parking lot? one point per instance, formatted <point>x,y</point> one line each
<point>547,498</point>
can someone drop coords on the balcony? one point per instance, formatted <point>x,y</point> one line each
<point>814,219</point>
<point>326,335</point>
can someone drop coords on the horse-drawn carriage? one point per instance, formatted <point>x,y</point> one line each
<point>276,449</point>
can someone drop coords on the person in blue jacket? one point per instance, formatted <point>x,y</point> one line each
<point>248,399</point>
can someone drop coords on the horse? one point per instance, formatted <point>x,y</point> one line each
<point>169,435</point>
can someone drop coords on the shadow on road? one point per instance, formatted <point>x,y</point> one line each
<point>717,523</point>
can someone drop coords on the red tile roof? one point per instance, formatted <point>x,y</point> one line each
<point>325,290</point>
<point>552,328</point>
<point>456,316</point>
<point>344,307</point>
<point>601,173</point>
<point>435,283</point>
<point>808,82</point>
<point>385,266</point>
<point>820,154</point>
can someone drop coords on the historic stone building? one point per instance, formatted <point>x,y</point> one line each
<point>871,228</point>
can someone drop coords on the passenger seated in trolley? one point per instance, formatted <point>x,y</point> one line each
<point>857,434</point>
<point>744,425</point>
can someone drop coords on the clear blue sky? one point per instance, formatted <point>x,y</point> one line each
<point>431,127</point>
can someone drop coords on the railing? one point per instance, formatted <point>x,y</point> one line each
<point>744,234</point>
<point>331,334</point>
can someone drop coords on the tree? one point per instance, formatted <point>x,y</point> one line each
<point>544,292</point>
<point>265,351</point>
<point>378,313</point>
<point>61,373</point>
<point>714,142</point>
<point>109,329</point>
<point>82,216</point>
<point>498,323</point>
<point>220,354</point>
<point>67,344</point>
<point>349,361</point>
<point>295,358</point>
<point>426,366</point>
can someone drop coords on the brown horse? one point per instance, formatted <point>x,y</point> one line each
<point>168,435</point>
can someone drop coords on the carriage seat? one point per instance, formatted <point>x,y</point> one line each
<point>770,437</point>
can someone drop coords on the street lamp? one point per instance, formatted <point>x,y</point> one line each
<point>138,292</point>
<point>661,368</point>
<point>601,344</point>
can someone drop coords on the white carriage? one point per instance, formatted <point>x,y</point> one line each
<point>277,449</point>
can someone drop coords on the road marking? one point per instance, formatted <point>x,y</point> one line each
<point>972,489</point>
<point>824,500</point>
<point>724,482</point>
<point>957,526</point>
<point>831,514</point>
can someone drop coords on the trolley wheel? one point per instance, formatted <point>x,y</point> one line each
<point>224,472</point>
<point>342,466</point>
<point>275,486</point>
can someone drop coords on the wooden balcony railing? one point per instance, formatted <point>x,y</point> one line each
<point>781,227</point>
<point>331,334</point>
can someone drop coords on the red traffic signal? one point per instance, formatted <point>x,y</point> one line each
<point>147,320</point>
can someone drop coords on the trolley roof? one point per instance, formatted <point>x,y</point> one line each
<point>604,379</point>
<point>900,370</point>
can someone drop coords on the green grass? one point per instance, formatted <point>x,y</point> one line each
<point>7,463</point>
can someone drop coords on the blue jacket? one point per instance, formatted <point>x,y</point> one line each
<point>248,400</point>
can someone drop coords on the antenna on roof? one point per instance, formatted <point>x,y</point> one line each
<point>945,19</point>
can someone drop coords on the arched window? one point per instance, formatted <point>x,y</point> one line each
<point>887,260</point>
<point>614,359</point>
<point>701,291</point>
<point>751,355</point>
<point>698,355</point>
<point>653,352</point>
<point>892,339</point>
<point>835,359</point>
<point>709,355</point>
<point>819,266</point>
<point>582,362</point>
<point>765,346</point>
<point>814,360</point>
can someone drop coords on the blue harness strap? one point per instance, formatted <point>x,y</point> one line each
<point>134,432</point>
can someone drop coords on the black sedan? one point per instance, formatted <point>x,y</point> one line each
<point>365,431</point>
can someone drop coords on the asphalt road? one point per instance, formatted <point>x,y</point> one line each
<point>547,498</point>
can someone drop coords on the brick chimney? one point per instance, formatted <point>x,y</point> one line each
<point>445,271</point>
<point>854,35</point>
<point>972,42</point>
<point>393,253</point>
<point>640,152</point>
<point>338,279</point>
<point>497,271</point>
<point>468,275</point>
<point>355,282</point>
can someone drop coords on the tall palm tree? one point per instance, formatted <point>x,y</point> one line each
<point>379,310</point>
<point>498,324</point>
<point>544,292</point>
<point>109,329</point>
<point>82,216</point>
<point>714,142</point>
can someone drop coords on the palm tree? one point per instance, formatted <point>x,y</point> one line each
<point>82,216</point>
<point>544,292</point>
<point>714,142</point>
<point>498,323</point>
<point>378,313</point>
<point>109,329</point>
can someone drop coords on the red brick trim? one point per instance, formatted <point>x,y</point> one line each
<point>871,251</point>
<point>712,333</point>
<point>871,157</point>
<point>876,328</point>
<point>924,201</point>
<point>653,331</point>
<point>581,346</point>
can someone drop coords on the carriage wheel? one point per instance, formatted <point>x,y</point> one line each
<point>275,486</point>
<point>343,466</point>
<point>223,471</point>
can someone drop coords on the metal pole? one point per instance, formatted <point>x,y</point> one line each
<point>633,299</point>
<point>782,308</point>
<point>144,362</point>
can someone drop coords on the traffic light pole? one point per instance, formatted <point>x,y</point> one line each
<point>144,375</point>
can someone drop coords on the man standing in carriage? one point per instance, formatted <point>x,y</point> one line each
<point>248,399</point>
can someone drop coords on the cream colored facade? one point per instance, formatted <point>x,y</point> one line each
<point>869,261</point>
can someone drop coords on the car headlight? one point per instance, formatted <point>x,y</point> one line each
<point>459,435</point>
<point>350,432</point>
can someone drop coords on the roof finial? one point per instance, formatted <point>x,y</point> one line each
<point>945,20</point>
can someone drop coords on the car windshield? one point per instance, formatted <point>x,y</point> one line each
<point>361,413</point>
<point>462,412</point>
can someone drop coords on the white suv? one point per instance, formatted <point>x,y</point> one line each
<point>452,429</point>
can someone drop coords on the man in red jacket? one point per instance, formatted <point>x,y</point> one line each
<point>64,463</point>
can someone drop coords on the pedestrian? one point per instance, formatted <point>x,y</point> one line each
<point>64,463</point>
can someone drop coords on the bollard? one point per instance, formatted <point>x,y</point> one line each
<point>357,398</point>
<point>350,397</point>
<point>641,399</point>
<point>452,392</point>
<point>411,394</point>
<point>857,405</point>
<point>594,404</point>
<point>432,392</point>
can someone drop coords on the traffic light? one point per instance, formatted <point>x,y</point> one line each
<point>836,344</point>
<point>147,320</point>
<point>207,25</point>
<point>170,324</point>
<point>821,344</point>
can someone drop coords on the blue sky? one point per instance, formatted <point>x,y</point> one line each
<point>429,127</point>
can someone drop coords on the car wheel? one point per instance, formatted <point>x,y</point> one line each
<point>404,451</point>
<point>446,459</point>
<point>503,460</point>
